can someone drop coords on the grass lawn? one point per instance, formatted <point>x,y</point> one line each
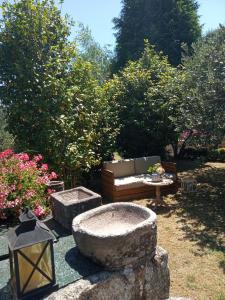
<point>192,230</point>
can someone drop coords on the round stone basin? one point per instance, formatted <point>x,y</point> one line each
<point>116,235</point>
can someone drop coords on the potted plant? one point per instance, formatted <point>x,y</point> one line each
<point>156,171</point>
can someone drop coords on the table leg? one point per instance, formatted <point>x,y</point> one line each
<point>158,200</point>
<point>158,194</point>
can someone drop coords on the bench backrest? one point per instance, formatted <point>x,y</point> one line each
<point>129,167</point>
<point>142,164</point>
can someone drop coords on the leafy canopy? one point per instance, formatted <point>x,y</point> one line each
<point>34,64</point>
<point>53,101</point>
<point>90,50</point>
<point>142,98</point>
<point>165,23</point>
<point>203,105</point>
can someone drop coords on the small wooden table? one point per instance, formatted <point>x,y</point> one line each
<point>158,200</point>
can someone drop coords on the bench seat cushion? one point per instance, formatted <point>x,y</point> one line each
<point>129,182</point>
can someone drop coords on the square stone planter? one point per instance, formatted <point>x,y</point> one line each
<point>69,203</point>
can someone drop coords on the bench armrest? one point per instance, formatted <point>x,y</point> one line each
<point>107,183</point>
<point>170,167</point>
<point>107,174</point>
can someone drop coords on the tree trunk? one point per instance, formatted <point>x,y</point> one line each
<point>182,148</point>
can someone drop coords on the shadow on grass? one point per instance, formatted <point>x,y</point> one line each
<point>202,213</point>
<point>222,265</point>
<point>188,165</point>
<point>162,210</point>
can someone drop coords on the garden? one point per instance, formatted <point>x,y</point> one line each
<point>70,107</point>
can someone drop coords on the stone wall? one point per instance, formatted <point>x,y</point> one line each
<point>148,281</point>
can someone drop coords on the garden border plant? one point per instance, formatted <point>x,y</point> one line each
<point>23,184</point>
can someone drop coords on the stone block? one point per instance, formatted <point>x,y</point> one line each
<point>116,235</point>
<point>147,281</point>
<point>69,203</point>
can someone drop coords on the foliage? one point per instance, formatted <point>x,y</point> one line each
<point>156,168</point>
<point>35,59</point>
<point>165,23</point>
<point>51,91</point>
<point>203,91</point>
<point>23,184</point>
<point>217,155</point>
<point>85,132</point>
<point>6,139</point>
<point>90,50</point>
<point>143,102</point>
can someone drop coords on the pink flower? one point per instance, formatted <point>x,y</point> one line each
<point>6,153</point>
<point>12,187</point>
<point>50,191</point>
<point>53,175</point>
<point>12,204</point>
<point>38,158</point>
<point>29,194</point>
<point>3,195</point>
<point>44,167</point>
<point>39,211</point>
<point>22,156</point>
<point>24,165</point>
<point>42,180</point>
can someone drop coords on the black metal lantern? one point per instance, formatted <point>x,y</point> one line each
<point>31,257</point>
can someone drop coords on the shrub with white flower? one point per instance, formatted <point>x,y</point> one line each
<point>23,184</point>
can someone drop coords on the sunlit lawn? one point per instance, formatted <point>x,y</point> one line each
<point>192,230</point>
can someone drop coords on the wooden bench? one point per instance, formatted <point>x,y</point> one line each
<point>113,173</point>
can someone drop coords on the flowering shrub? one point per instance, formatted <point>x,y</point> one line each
<point>23,184</point>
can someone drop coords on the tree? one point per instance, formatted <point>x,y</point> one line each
<point>35,59</point>
<point>90,50</point>
<point>140,94</point>
<point>165,23</point>
<point>203,92</point>
<point>6,139</point>
<point>54,103</point>
<point>86,131</point>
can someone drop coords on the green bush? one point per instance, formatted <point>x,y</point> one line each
<point>51,91</point>
<point>217,155</point>
<point>6,139</point>
<point>203,104</point>
<point>143,99</point>
<point>86,130</point>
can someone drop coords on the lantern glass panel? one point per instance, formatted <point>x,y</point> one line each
<point>35,266</point>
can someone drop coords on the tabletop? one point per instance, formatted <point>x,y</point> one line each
<point>164,182</point>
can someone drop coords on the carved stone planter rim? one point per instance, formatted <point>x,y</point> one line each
<point>77,221</point>
<point>55,182</point>
<point>90,195</point>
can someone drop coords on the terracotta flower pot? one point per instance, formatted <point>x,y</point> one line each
<point>56,186</point>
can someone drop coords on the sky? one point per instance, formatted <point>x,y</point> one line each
<point>98,15</point>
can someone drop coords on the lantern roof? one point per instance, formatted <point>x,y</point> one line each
<point>30,231</point>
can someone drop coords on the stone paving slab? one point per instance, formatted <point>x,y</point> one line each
<point>3,241</point>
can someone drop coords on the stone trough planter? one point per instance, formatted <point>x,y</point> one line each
<point>116,235</point>
<point>69,203</point>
